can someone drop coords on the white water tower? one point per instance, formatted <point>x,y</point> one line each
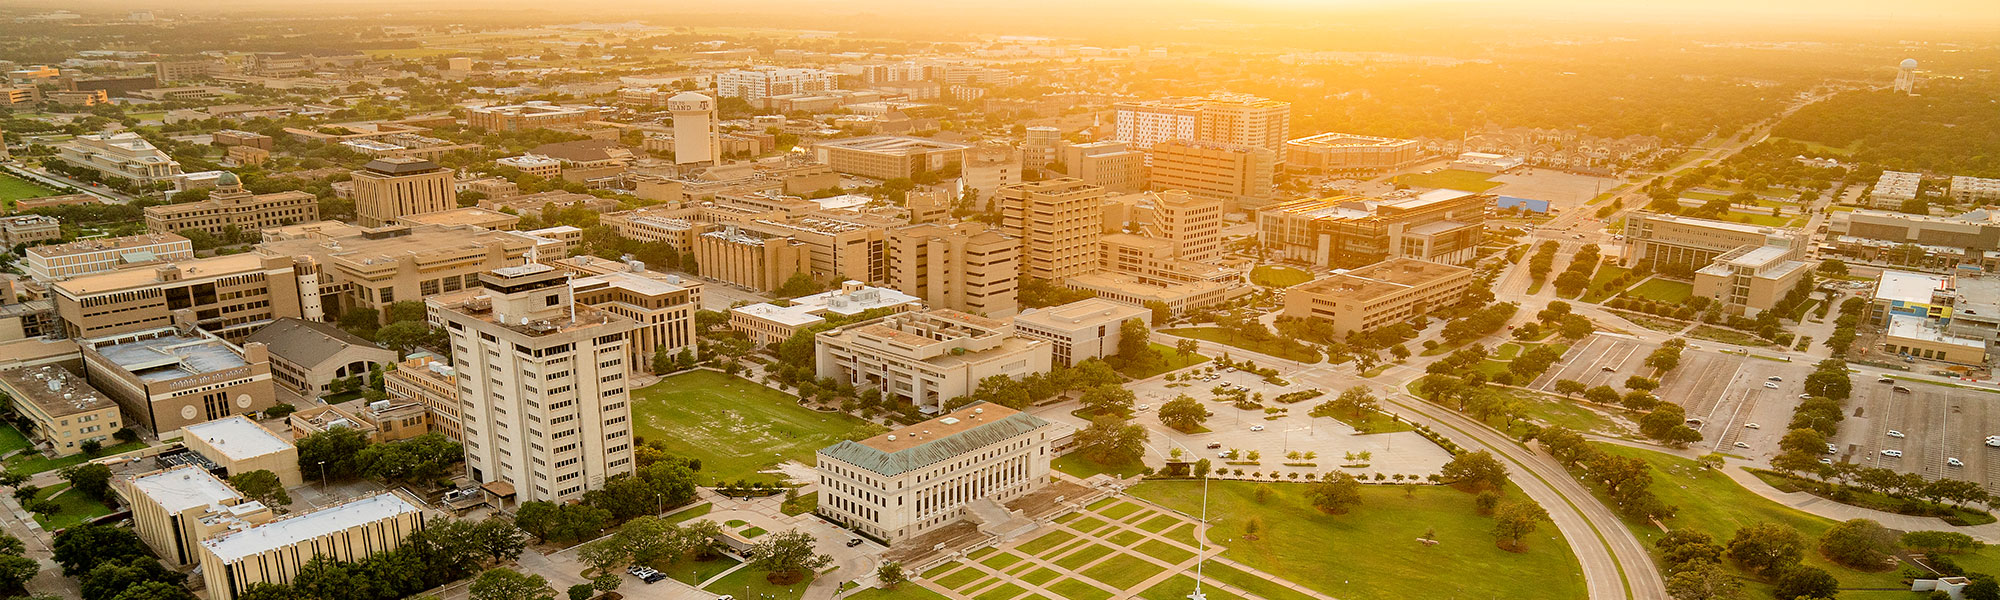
<point>1906,76</point>
<point>696,139</point>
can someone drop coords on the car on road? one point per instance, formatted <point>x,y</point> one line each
<point>1752,426</point>
<point>1954,462</point>
<point>852,542</point>
<point>1893,453</point>
<point>1831,449</point>
<point>1214,445</point>
<point>1770,385</point>
<point>1993,440</point>
<point>1742,445</point>
<point>1805,396</point>
<point>1693,422</point>
<point>1256,427</point>
<point>1896,434</point>
<point>1825,461</point>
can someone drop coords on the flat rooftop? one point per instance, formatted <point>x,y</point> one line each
<point>184,487</point>
<point>102,244</point>
<point>55,390</point>
<point>893,144</point>
<point>1088,310</point>
<point>1713,224</point>
<point>172,356</point>
<point>234,546</point>
<point>1912,327</point>
<point>1335,139</point>
<point>112,281</point>
<point>238,437</point>
<point>1907,287</point>
<point>1386,277</point>
<point>470,215</point>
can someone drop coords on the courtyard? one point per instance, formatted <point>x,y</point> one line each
<point>736,427</point>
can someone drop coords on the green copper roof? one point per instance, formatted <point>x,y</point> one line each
<point>934,451</point>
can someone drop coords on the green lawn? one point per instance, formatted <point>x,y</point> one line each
<point>1078,559</point>
<point>1759,218</point>
<point>1123,571</point>
<point>1230,338</point>
<point>14,188</point>
<point>1469,181</point>
<point>1072,589</point>
<point>735,426</point>
<point>907,591</point>
<point>1179,587</point>
<point>76,508</point>
<point>1712,503</point>
<point>1082,468</point>
<point>1047,541</point>
<point>11,439</point>
<point>750,583</point>
<point>1663,290</point>
<point>693,572</point>
<point>691,512</point>
<point>1371,553</point>
<point>1174,362</point>
<point>1279,276</point>
<point>1164,551</point>
<point>1727,336</point>
<point>1605,275</point>
<point>29,463</point>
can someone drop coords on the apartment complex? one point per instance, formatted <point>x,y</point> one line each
<point>1243,176</point>
<point>1060,223</point>
<point>1332,152</point>
<point>767,323</point>
<point>1229,119</point>
<point>307,356</point>
<point>374,268</point>
<point>232,210</point>
<point>531,115</point>
<point>889,156</point>
<point>901,484</point>
<point>1080,330</point>
<point>1672,243</point>
<point>547,414</point>
<point>432,383</point>
<point>1973,190</point>
<point>166,379</point>
<point>120,155</point>
<point>387,188</point>
<point>1894,188</point>
<point>1349,231</point>
<point>755,85</point>
<point>927,358</point>
<point>1384,293</point>
<point>750,258</point>
<point>63,409</point>
<point>97,255</point>
<point>274,551</point>
<point>967,267</point>
<point>230,296</point>
<point>27,229</point>
<point>663,305</point>
<point>1109,164</point>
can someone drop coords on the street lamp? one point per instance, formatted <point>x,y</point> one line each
<point>322,476</point>
<point>1201,542</point>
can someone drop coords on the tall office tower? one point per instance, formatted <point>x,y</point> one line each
<point>962,266</point>
<point>696,139</point>
<point>1233,119</point>
<point>1060,223</point>
<point>1193,223</point>
<point>392,187</point>
<point>543,384</point>
<point>1242,176</point>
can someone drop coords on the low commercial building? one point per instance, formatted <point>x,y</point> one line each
<point>927,358</point>
<point>1971,238</point>
<point>395,420</point>
<point>306,356</point>
<point>1750,280</point>
<point>890,156</point>
<point>174,509</point>
<point>1917,337</point>
<point>28,229</point>
<point>319,419</point>
<point>274,551</point>
<point>767,323</point>
<point>1904,293</point>
<point>1675,244</point>
<point>235,137</point>
<point>1388,292</point>
<point>167,379</point>
<point>239,445</point>
<point>1080,330</point>
<point>229,296</point>
<point>533,164</point>
<point>1333,152</point>
<point>64,410</point>
<point>231,210</point>
<point>433,384</point>
<point>1441,226</point>
<point>903,483</point>
<point>1894,188</point>
<point>121,155</point>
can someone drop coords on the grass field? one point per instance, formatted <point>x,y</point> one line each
<point>1727,336</point>
<point>11,439</point>
<point>1279,276</point>
<point>1711,503</point>
<point>14,188</point>
<point>1605,275</point>
<point>750,583</point>
<point>1174,362</point>
<point>733,425</point>
<point>76,508</point>
<point>1469,181</point>
<point>1371,553</point>
<point>1760,218</point>
<point>29,463</point>
<point>693,572</point>
<point>1663,290</point>
<point>1230,338</point>
<point>907,591</point>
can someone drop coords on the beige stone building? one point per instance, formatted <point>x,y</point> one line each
<point>750,258</point>
<point>904,483</point>
<point>1670,242</point>
<point>387,188</point>
<point>1231,119</point>
<point>470,215</point>
<point>1112,165</point>
<point>836,249</point>
<point>231,209</point>
<point>229,296</point>
<point>928,358</point>
<point>28,229</point>
<point>1918,337</point>
<point>275,550</point>
<point>1241,176</point>
<point>1333,152</point>
<point>121,155</point>
<point>1080,330</point>
<point>174,509</point>
<point>167,379</point>
<point>968,267</point>
<point>767,323</point>
<point>1750,280</point>
<point>1384,293</point>
<point>433,384</point>
<point>306,356</point>
<point>890,156</point>
<point>663,305</point>
<point>551,416</point>
<point>239,445</point>
<point>378,267</point>
<point>1134,290</point>
<point>64,410</point>
<point>82,257</point>
<point>532,115</point>
<point>1059,223</point>
<point>1443,226</point>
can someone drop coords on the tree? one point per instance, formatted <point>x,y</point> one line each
<point>1766,548</point>
<point>419,459</point>
<point>338,448</point>
<point>1201,468</point>
<point>507,584</point>
<point>361,320</point>
<point>891,574</point>
<point>1161,312</point>
<point>1801,581</point>
<point>1703,581</point>
<point>1187,348</point>
<point>1513,521</point>
<point>499,539</point>
<point>261,485</point>
<point>16,570</point>
<point>408,311</point>
<point>111,578</point>
<point>1183,413</point>
<point>1108,399</point>
<point>1602,394</point>
<point>154,590</point>
<point>1859,543</point>
<point>604,555</point>
<point>403,336</point>
<point>581,591</point>
<point>1477,470</point>
<point>1570,387</point>
<point>80,548</point>
<point>787,556</point>
<point>1110,441</point>
<point>1937,542</point>
<point>1335,495</point>
<point>561,523</point>
<point>1983,588</point>
<point>91,479</point>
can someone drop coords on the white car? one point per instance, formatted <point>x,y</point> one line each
<point>1830,449</point>
<point>1770,385</point>
<point>1896,434</point>
<point>1826,461</point>
<point>1893,453</point>
<point>1145,407</point>
<point>1993,441</point>
<point>1954,462</point>
<point>1752,426</point>
<point>1256,427</point>
<point>1742,445</point>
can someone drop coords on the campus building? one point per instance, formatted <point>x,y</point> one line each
<point>63,409</point>
<point>174,509</point>
<point>1751,279</point>
<point>231,210</point>
<point>1973,190</point>
<point>750,258</point>
<point>1060,223</point>
<point>890,156</point>
<point>1350,231</point>
<point>27,229</point>
<point>120,155</point>
<point>1140,290</point>
<point>532,115</point>
<point>229,296</point>
<point>1918,337</point>
<point>1971,238</point>
<point>166,379</point>
<point>1384,293</point>
<point>387,188</point>
<point>911,480</point>
<point>549,417</point>
<point>1192,224</point>
<point>767,323</point>
<point>1243,176</point>
<point>1894,188</point>
<point>967,267</point>
<point>1232,119</point>
<point>82,257</point>
<point>239,445</point>
<point>663,305</point>
<point>755,85</point>
<point>1333,152</point>
<point>1963,304</point>
<point>1109,164</point>
<point>375,268</point>
<point>433,384</point>
<point>306,356</point>
<point>1671,243</point>
<point>274,551</point>
<point>927,358</point>
<point>1080,330</point>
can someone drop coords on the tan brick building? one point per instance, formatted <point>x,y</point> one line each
<point>230,296</point>
<point>1384,293</point>
<point>387,188</point>
<point>750,258</point>
<point>432,383</point>
<point>166,379</point>
<point>967,267</point>
<point>1242,176</point>
<point>1059,223</point>
<point>230,209</point>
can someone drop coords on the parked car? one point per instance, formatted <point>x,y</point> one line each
<point>1902,389</point>
<point>1831,449</point>
<point>1954,462</point>
<point>1752,426</point>
<point>1742,445</point>
<point>1993,440</point>
<point>1825,461</point>
<point>852,542</point>
<point>1774,378</point>
<point>1893,453</point>
<point>1884,379</point>
<point>1145,407</point>
<point>1214,445</point>
<point>1896,434</point>
<point>1256,427</point>
<point>1770,385</point>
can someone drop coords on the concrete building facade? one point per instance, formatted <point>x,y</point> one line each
<point>927,358</point>
<point>1385,293</point>
<point>387,188</point>
<point>1080,330</point>
<point>967,267</point>
<point>903,483</point>
<point>1059,222</point>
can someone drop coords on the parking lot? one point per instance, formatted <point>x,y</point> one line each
<point>1938,423</point>
<point>1724,394</point>
<point>1600,359</point>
